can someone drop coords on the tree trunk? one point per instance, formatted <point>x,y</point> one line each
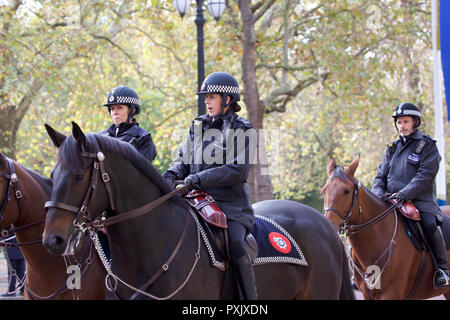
<point>259,179</point>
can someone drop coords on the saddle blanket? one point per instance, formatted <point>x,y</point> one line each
<point>414,235</point>
<point>275,244</point>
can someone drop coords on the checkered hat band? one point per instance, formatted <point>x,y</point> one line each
<point>407,113</point>
<point>126,100</point>
<point>220,88</point>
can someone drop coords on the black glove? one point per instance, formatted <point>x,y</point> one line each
<point>386,196</point>
<point>400,197</point>
<point>193,180</point>
<point>170,178</point>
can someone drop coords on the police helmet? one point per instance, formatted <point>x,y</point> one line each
<point>225,84</point>
<point>124,95</point>
<point>409,110</point>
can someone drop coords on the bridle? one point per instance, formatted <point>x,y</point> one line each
<point>12,186</point>
<point>11,176</point>
<point>82,212</point>
<point>346,229</point>
<point>98,169</point>
<point>350,229</point>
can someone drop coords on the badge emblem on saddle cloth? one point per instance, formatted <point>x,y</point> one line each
<point>207,208</point>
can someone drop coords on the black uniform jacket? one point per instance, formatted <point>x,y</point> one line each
<point>221,159</point>
<point>410,169</point>
<point>133,134</point>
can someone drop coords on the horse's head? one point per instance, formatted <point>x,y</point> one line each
<point>339,192</point>
<point>76,195</point>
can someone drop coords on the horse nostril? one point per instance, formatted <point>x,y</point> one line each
<point>55,244</point>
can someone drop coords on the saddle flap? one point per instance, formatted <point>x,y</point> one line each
<point>205,206</point>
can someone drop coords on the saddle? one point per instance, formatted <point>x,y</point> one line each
<point>204,205</point>
<point>207,208</point>
<point>408,210</point>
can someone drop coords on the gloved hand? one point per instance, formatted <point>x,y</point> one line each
<point>170,178</point>
<point>400,197</point>
<point>386,196</point>
<point>193,180</point>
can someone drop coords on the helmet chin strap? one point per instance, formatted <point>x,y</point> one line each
<point>130,114</point>
<point>224,103</point>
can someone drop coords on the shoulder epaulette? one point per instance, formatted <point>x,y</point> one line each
<point>245,122</point>
<point>393,146</point>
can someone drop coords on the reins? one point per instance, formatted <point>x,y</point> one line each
<point>100,223</point>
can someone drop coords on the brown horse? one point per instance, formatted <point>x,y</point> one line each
<point>22,212</point>
<point>385,262</point>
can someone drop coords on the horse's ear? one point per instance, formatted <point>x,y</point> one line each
<point>331,166</point>
<point>57,138</point>
<point>350,171</point>
<point>78,135</point>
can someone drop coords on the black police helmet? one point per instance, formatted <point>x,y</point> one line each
<point>123,95</point>
<point>225,84</point>
<point>409,110</point>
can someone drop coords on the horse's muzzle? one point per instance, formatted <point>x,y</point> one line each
<point>55,243</point>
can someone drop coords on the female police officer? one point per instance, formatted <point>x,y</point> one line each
<point>123,105</point>
<point>218,173</point>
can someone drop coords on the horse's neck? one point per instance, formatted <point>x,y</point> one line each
<point>369,243</point>
<point>38,260</point>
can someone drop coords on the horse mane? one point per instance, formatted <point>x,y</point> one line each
<point>340,174</point>
<point>69,149</point>
<point>45,183</point>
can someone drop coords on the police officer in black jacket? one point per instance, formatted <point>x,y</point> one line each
<point>123,105</point>
<point>210,161</point>
<point>407,172</point>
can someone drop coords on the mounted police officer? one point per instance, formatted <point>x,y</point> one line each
<point>407,172</point>
<point>123,105</point>
<point>214,163</point>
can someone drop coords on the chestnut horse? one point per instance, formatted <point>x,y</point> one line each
<point>22,212</point>
<point>385,262</point>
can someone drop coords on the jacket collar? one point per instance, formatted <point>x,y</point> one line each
<point>123,127</point>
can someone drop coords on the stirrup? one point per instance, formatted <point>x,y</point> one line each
<point>446,277</point>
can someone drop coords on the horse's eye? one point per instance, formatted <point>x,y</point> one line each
<point>346,191</point>
<point>79,177</point>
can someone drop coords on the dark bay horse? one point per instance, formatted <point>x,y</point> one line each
<point>163,247</point>
<point>382,252</point>
<point>22,210</point>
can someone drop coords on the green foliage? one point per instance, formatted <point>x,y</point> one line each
<point>374,54</point>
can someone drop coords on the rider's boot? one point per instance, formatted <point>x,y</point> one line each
<point>246,278</point>
<point>441,276</point>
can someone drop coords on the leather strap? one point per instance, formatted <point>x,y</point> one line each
<point>96,224</point>
<point>165,266</point>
